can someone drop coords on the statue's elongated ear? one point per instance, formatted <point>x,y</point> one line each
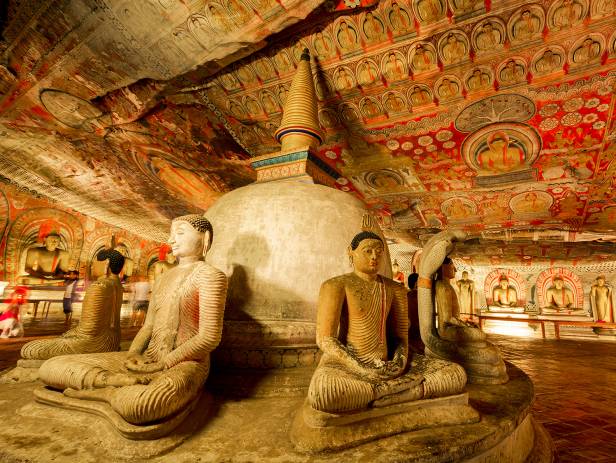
<point>207,242</point>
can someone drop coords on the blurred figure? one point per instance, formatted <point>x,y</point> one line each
<point>10,320</point>
<point>140,299</point>
<point>69,294</point>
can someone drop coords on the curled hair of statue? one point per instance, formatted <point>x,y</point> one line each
<point>199,223</point>
<point>116,260</point>
<point>365,235</point>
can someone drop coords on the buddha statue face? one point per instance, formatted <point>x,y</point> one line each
<point>504,283</point>
<point>465,275</point>
<point>600,281</point>
<point>185,240</point>
<point>52,242</point>
<point>367,256</point>
<point>558,283</point>
<point>448,270</point>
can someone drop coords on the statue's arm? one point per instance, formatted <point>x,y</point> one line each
<point>212,293</point>
<point>63,263</point>
<point>329,309</point>
<point>593,305</point>
<point>400,325</point>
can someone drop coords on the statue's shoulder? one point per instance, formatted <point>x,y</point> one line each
<point>393,284</point>
<point>205,269</point>
<point>337,282</point>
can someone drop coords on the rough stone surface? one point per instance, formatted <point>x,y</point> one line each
<point>255,429</point>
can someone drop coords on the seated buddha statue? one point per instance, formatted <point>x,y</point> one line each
<point>163,372</point>
<point>362,330</point>
<point>504,295</point>
<point>47,261</point>
<point>163,266</point>
<point>452,338</point>
<point>99,326</point>
<point>560,299</point>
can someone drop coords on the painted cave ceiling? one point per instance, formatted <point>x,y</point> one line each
<point>493,116</point>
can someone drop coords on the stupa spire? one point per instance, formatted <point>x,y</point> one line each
<point>299,126</point>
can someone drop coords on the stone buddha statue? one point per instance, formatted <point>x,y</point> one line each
<point>452,338</point>
<point>162,374</point>
<point>47,261</point>
<point>466,294</point>
<point>129,264</point>
<point>559,299</point>
<point>98,329</point>
<point>362,329</point>
<point>504,295</point>
<point>163,266</point>
<point>601,301</point>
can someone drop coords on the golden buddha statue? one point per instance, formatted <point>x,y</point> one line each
<point>466,293</point>
<point>453,338</point>
<point>601,301</point>
<point>99,327</point>
<point>560,299</point>
<point>47,261</point>
<point>504,295</point>
<point>362,329</point>
<point>162,374</point>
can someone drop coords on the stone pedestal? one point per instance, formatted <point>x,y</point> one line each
<point>258,429</point>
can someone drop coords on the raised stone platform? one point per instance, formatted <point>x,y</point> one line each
<point>258,429</point>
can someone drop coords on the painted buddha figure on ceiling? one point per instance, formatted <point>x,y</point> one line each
<point>527,26</point>
<point>362,330</point>
<point>568,14</point>
<point>500,154</point>
<point>400,19</point>
<point>48,261</point>
<point>168,361</point>
<point>504,295</point>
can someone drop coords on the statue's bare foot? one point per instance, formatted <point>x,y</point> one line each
<point>120,380</point>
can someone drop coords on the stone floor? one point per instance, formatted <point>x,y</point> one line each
<point>575,384</point>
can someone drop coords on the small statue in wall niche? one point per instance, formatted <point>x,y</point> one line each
<point>452,338</point>
<point>504,295</point>
<point>129,264</point>
<point>165,265</point>
<point>558,296</point>
<point>162,374</point>
<point>466,294</point>
<point>362,329</point>
<point>47,261</point>
<point>99,326</point>
<point>601,301</point>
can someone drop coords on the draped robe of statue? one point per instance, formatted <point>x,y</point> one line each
<point>182,327</point>
<point>371,315</point>
<point>98,329</point>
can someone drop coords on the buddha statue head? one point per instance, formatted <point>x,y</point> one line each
<point>448,270</point>
<point>503,282</point>
<point>465,275</point>
<point>123,249</point>
<point>52,241</point>
<point>600,280</point>
<point>191,236</point>
<point>115,260</point>
<point>365,252</point>
<point>558,282</point>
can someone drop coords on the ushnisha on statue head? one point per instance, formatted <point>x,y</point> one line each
<point>191,236</point>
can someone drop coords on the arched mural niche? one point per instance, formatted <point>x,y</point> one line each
<point>560,292</point>
<point>505,288</point>
<point>24,232</point>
